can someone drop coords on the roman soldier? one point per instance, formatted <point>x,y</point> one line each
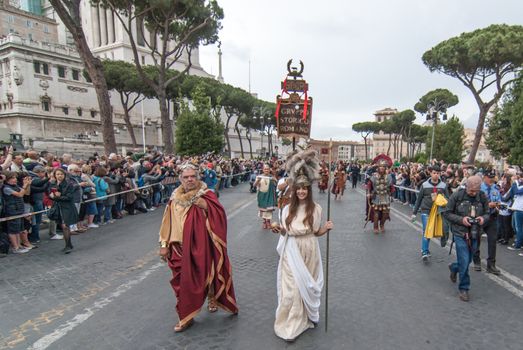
<point>379,189</point>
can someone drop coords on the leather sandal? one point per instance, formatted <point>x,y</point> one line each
<point>179,328</point>
<point>211,305</point>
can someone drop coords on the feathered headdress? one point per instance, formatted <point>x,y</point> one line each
<point>303,167</point>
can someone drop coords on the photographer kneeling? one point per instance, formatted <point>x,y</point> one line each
<point>467,211</point>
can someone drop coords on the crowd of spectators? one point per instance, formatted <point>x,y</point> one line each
<point>98,190</point>
<point>409,177</point>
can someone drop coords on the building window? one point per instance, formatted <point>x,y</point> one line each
<point>45,106</point>
<point>29,24</point>
<point>93,114</point>
<point>76,74</point>
<point>36,66</point>
<point>143,59</point>
<point>30,36</point>
<point>65,110</point>
<point>61,71</point>
<point>45,68</point>
<point>10,19</point>
<point>87,77</point>
<point>79,112</point>
<point>46,29</point>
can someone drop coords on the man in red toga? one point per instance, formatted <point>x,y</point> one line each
<point>193,241</point>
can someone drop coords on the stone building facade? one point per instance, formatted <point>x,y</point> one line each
<point>346,151</point>
<point>43,93</point>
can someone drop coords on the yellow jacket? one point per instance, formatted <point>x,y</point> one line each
<point>435,222</point>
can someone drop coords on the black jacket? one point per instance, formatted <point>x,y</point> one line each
<point>424,199</point>
<point>68,212</point>
<point>459,206</point>
<point>38,187</point>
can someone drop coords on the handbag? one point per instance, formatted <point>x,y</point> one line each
<point>53,213</point>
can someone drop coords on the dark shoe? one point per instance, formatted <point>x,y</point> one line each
<point>453,275</point>
<point>425,258</point>
<point>464,295</point>
<point>477,267</point>
<point>493,269</point>
<point>67,250</point>
<point>504,242</point>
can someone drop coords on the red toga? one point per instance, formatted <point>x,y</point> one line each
<point>202,261</point>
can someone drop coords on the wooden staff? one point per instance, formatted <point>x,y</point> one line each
<point>327,254</point>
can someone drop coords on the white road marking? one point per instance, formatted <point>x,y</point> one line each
<point>516,281</point>
<point>62,330</point>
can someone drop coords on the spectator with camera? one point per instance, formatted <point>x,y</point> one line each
<point>63,211</point>
<point>467,212</point>
<point>491,191</point>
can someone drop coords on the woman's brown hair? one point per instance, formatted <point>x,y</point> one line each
<point>100,171</point>
<point>309,208</point>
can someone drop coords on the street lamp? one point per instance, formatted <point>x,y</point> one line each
<point>435,107</point>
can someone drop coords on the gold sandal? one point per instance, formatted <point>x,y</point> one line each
<point>180,328</point>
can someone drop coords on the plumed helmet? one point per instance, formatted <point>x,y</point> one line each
<point>303,167</point>
<point>382,160</point>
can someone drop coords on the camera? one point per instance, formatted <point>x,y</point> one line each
<point>503,206</point>
<point>474,229</point>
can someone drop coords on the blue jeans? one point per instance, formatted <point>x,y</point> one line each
<point>107,212</point>
<point>157,198</point>
<point>99,210</point>
<point>517,223</point>
<point>424,241</point>
<point>463,259</point>
<point>37,220</point>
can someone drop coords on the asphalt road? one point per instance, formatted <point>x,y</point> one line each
<point>113,292</point>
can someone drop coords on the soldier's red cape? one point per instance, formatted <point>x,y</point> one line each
<point>203,261</point>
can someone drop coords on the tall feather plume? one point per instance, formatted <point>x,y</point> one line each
<point>303,163</point>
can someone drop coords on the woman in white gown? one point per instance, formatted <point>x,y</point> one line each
<point>300,272</point>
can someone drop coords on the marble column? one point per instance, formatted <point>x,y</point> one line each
<point>95,22</point>
<point>103,27</point>
<point>110,26</point>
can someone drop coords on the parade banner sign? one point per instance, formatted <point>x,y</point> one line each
<point>294,106</point>
<point>291,121</point>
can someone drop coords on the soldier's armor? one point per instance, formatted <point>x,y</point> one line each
<point>381,191</point>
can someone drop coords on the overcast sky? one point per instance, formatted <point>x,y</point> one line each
<point>359,56</point>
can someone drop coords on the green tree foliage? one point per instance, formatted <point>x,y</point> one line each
<point>436,96</point>
<point>485,61</point>
<point>122,77</point>
<point>197,132</point>
<point>415,137</point>
<point>365,129</point>
<point>236,103</point>
<point>448,141</point>
<point>402,122</point>
<point>176,28</point>
<point>505,127</point>
<point>69,13</point>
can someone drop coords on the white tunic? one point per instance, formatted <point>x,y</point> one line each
<point>300,276</point>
